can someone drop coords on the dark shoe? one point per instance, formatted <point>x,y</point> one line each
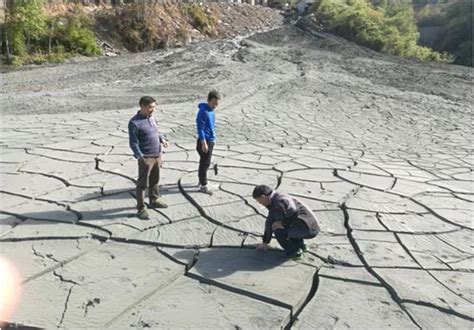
<point>297,256</point>
<point>158,204</point>
<point>143,214</point>
<point>332,260</point>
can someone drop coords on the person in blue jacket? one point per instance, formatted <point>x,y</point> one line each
<point>206,132</point>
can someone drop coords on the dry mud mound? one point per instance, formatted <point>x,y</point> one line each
<point>380,148</point>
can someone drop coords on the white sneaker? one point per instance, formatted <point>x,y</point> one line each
<point>206,190</point>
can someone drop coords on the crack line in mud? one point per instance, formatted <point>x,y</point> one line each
<point>393,293</point>
<point>448,311</point>
<point>451,245</point>
<point>417,233</point>
<point>52,176</point>
<point>406,197</point>
<point>97,167</point>
<point>207,217</point>
<point>397,237</point>
<point>29,152</point>
<point>66,206</point>
<point>52,268</point>
<point>257,212</point>
<point>312,292</point>
<point>65,306</point>
<point>160,288</point>
<point>239,291</point>
<point>64,280</point>
<point>41,238</point>
<point>350,280</point>
<point>75,223</point>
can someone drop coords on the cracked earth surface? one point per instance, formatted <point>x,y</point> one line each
<point>380,148</point>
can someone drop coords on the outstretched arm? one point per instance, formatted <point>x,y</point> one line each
<point>267,234</point>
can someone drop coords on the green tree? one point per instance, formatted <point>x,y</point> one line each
<point>456,17</point>
<point>74,32</point>
<point>26,20</point>
<point>30,36</point>
<point>458,38</point>
<point>387,26</point>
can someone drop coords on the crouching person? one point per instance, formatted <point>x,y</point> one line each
<point>288,219</point>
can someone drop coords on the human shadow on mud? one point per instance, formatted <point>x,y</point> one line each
<point>129,193</point>
<point>220,262</point>
<point>72,216</point>
<point>80,211</point>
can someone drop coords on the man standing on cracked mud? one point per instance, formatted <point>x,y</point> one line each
<point>206,131</point>
<point>146,143</point>
<point>289,219</point>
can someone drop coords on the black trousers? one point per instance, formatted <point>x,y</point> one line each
<point>204,161</point>
<point>290,245</point>
<point>291,238</point>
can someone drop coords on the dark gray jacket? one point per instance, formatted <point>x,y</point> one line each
<point>296,217</point>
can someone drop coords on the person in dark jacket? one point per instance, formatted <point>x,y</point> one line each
<point>206,132</point>
<point>290,220</point>
<point>146,143</point>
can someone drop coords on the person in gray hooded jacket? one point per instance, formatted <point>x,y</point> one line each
<point>288,219</point>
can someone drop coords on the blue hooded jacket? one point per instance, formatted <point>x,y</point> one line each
<point>205,121</point>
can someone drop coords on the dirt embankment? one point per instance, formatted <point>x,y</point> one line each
<point>129,28</point>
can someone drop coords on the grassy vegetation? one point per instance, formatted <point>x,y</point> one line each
<point>30,36</point>
<point>389,27</point>
<point>200,19</point>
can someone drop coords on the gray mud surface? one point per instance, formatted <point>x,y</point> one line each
<point>379,147</point>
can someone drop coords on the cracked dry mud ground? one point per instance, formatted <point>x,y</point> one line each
<point>378,147</point>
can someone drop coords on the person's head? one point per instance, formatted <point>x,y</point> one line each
<point>147,105</point>
<point>262,194</point>
<point>213,99</point>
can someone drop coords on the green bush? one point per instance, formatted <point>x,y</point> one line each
<point>202,21</point>
<point>456,17</point>
<point>29,36</point>
<point>25,25</point>
<point>74,32</point>
<point>389,27</point>
<point>458,38</point>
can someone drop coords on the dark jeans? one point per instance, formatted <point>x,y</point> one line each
<point>148,176</point>
<point>204,161</point>
<point>291,238</point>
<point>290,245</point>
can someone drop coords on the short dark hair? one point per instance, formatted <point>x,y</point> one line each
<point>213,95</point>
<point>146,100</point>
<point>261,190</point>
